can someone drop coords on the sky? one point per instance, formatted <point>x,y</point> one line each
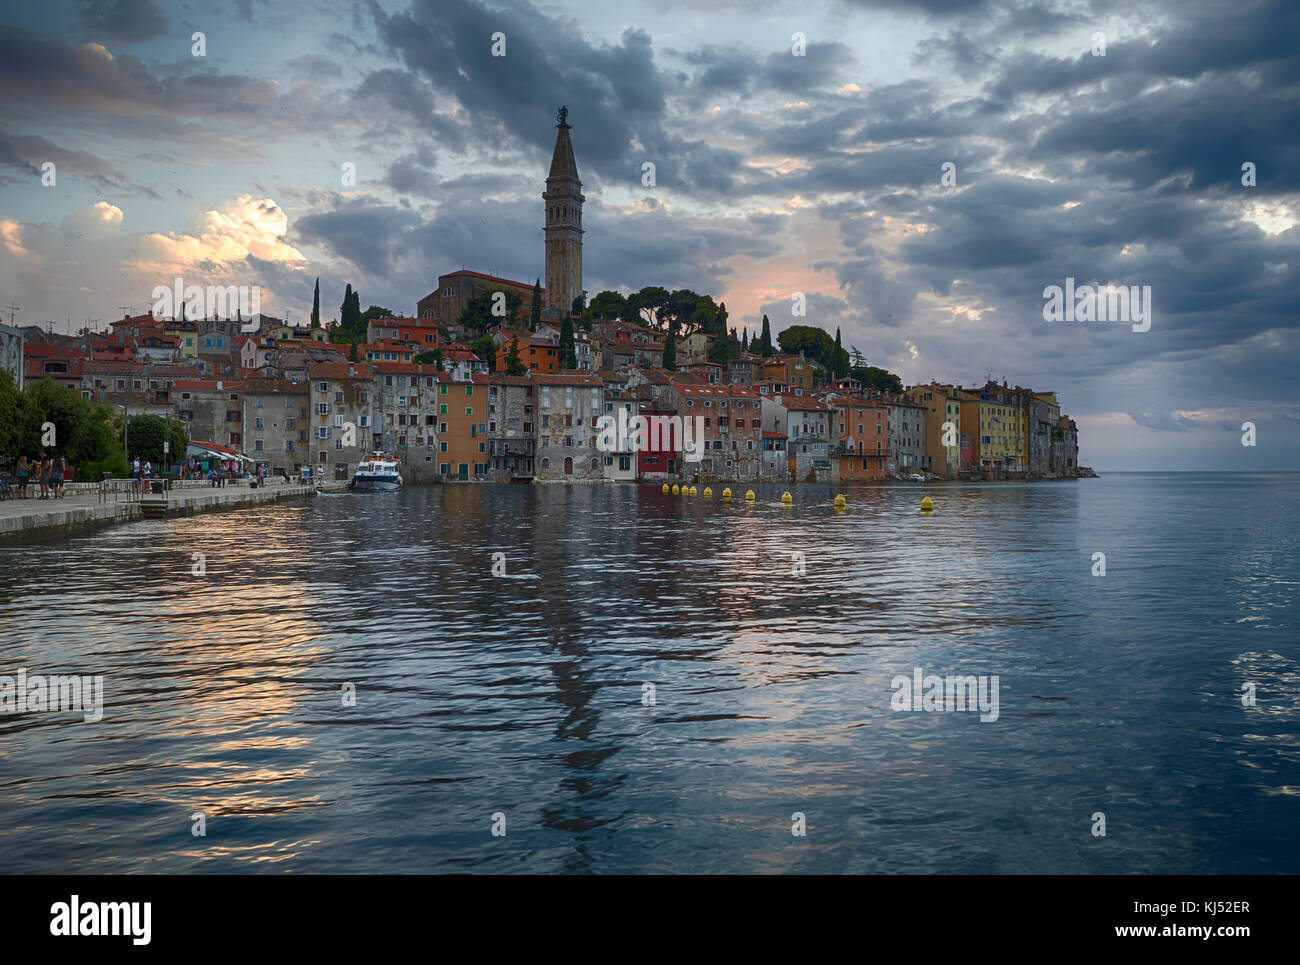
<point>798,149</point>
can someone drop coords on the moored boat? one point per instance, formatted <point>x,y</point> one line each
<point>377,474</point>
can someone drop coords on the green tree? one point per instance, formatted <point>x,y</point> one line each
<point>816,345</point>
<point>535,315</point>
<point>723,349</point>
<point>670,352</point>
<point>514,364</point>
<point>83,430</point>
<point>352,353</point>
<point>477,315</point>
<point>609,305</point>
<point>579,303</point>
<point>744,340</point>
<point>146,434</point>
<point>646,304</point>
<point>568,352</point>
<point>315,306</point>
<point>877,379</point>
<point>431,357</point>
<point>349,313</point>
<point>765,340</point>
<point>841,357</point>
<point>485,347</point>
<point>11,416</point>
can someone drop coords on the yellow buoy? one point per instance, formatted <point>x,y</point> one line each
<point>676,489</point>
<point>750,495</point>
<point>927,503</point>
<point>786,497</point>
<point>692,490</point>
<point>708,493</point>
<point>665,487</point>
<point>726,493</point>
<point>840,501</point>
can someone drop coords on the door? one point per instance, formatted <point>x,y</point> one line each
<point>463,471</point>
<point>568,465</point>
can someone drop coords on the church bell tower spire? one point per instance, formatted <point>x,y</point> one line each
<point>563,198</point>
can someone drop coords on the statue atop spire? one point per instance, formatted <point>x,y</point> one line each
<point>564,116</point>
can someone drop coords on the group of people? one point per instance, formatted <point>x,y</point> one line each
<point>48,471</point>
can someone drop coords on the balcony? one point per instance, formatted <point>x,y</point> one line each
<point>510,447</point>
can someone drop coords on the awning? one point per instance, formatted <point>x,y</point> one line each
<point>210,450</point>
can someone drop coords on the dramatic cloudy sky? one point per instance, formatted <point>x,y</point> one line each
<point>776,174</point>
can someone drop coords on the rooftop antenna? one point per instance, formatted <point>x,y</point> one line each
<point>126,310</point>
<point>12,309</point>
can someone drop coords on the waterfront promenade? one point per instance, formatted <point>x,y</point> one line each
<point>85,506</point>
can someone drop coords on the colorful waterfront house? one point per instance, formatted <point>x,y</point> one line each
<point>276,422</point>
<point>729,419</point>
<point>808,425</point>
<point>403,417</point>
<point>568,405</point>
<point>660,458</point>
<point>462,429</point>
<point>340,399</point>
<point>512,440</point>
<point>1000,429</point>
<point>861,438</point>
<point>775,462</point>
<point>942,411</point>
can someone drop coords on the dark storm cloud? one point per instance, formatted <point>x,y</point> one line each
<point>29,152</point>
<point>616,93</point>
<point>88,78</point>
<point>723,70</point>
<point>365,231</point>
<point>125,20</point>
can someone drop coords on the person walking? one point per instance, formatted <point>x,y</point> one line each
<point>57,467</point>
<point>24,476</point>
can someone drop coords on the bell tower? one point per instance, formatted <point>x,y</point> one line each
<point>563,198</point>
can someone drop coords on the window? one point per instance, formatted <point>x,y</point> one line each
<point>469,410</point>
<point>442,409</point>
<point>442,447</point>
<point>259,424</point>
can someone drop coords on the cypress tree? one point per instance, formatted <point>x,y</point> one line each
<point>315,306</point>
<point>568,353</point>
<point>744,340</point>
<point>670,351</point>
<point>838,368</point>
<point>535,318</point>
<point>514,365</point>
<point>765,339</point>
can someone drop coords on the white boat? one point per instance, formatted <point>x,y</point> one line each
<point>916,477</point>
<point>376,474</point>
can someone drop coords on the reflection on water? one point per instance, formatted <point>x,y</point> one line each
<point>525,694</point>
